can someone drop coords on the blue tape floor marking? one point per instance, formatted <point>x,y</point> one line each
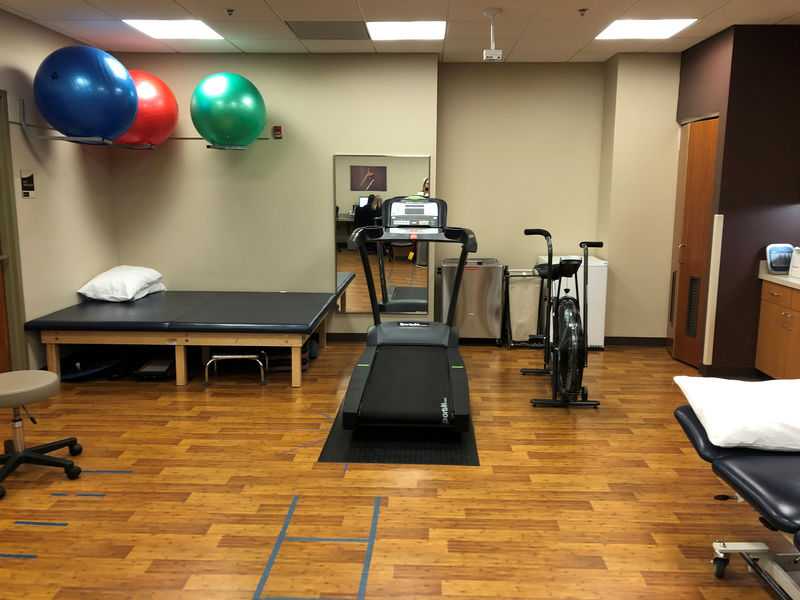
<point>294,428</point>
<point>104,471</point>
<point>19,555</point>
<point>319,413</point>
<point>275,549</point>
<point>84,495</point>
<point>42,523</point>
<point>370,541</point>
<point>59,494</point>
<point>362,588</point>
<point>299,447</point>
<point>316,539</point>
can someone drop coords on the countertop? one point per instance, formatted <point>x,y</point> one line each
<point>764,274</point>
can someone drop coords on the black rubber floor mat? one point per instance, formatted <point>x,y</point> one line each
<point>396,445</point>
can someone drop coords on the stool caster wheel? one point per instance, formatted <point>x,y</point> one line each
<point>720,562</point>
<point>72,472</point>
<point>75,449</point>
<point>2,491</point>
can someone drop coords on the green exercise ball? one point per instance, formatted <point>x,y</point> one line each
<point>228,110</point>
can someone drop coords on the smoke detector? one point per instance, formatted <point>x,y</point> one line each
<point>492,54</point>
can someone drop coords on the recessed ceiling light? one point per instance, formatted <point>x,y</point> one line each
<point>174,29</point>
<point>633,29</point>
<point>406,30</point>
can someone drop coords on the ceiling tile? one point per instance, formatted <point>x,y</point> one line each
<point>143,9</point>
<point>754,12</point>
<point>674,9</point>
<point>107,35</point>
<point>479,29</point>
<point>316,10</point>
<point>676,44</point>
<point>256,10</point>
<point>327,46</point>
<point>269,46</point>
<point>550,50</point>
<point>619,46</point>
<point>47,9</point>
<point>408,10</point>
<point>601,56</point>
<point>564,29</point>
<point>410,46</point>
<point>513,10</point>
<point>213,46</point>
<point>596,10</point>
<point>255,30</point>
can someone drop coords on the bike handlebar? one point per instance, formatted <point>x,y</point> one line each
<point>591,244</point>
<point>542,232</point>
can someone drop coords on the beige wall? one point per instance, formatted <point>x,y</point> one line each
<point>641,141</point>
<point>519,146</point>
<point>262,218</point>
<point>584,150</point>
<point>65,233</point>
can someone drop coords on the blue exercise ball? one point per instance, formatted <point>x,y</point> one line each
<point>85,92</point>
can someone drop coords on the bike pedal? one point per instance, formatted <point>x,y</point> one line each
<point>536,339</point>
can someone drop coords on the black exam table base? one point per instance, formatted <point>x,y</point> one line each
<point>770,483</point>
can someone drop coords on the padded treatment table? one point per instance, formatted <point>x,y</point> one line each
<point>181,319</point>
<point>770,482</point>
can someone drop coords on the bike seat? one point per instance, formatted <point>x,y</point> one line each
<point>566,267</point>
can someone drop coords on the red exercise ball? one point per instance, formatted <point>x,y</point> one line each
<point>158,111</point>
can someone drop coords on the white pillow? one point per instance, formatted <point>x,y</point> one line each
<point>123,283</point>
<point>752,414</point>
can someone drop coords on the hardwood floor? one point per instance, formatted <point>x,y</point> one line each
<point>202,492</point>
<point>400,272</point>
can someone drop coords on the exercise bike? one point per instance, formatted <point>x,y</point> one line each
<point>566,353</point>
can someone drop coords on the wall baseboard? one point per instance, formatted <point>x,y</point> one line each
<point>731,372</point>
<point>644,342</point>
<point>347,337</point>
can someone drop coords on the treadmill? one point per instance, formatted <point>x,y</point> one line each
<point>411,373</point>
<point>401,298</point>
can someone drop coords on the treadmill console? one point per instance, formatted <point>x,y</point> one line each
<point>414,211</point>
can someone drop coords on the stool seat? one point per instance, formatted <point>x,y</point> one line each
<point>18,388</point>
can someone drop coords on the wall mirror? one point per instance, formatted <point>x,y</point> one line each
<point>357,177</point>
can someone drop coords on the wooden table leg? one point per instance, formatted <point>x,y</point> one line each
<point>297,366</point>
<point>180,365</point>
<point>54,359</point>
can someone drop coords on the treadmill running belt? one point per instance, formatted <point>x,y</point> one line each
<point>408,385</point>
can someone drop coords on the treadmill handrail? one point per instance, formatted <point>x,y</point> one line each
<point>375,233</point>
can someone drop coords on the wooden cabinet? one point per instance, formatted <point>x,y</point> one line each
<point>778,350</point>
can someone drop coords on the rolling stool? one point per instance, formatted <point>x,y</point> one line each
<point>256,357</point>
<point>18,388</point>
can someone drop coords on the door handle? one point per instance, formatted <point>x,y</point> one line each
<point>680,252</point>
<point>783,320</point>
<point>789,321</point>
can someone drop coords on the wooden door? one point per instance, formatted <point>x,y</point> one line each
<point>692,241</point>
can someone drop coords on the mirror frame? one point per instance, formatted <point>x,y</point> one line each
<point>427,157</point>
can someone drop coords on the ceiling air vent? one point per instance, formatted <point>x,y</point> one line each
<point>329,30</point>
